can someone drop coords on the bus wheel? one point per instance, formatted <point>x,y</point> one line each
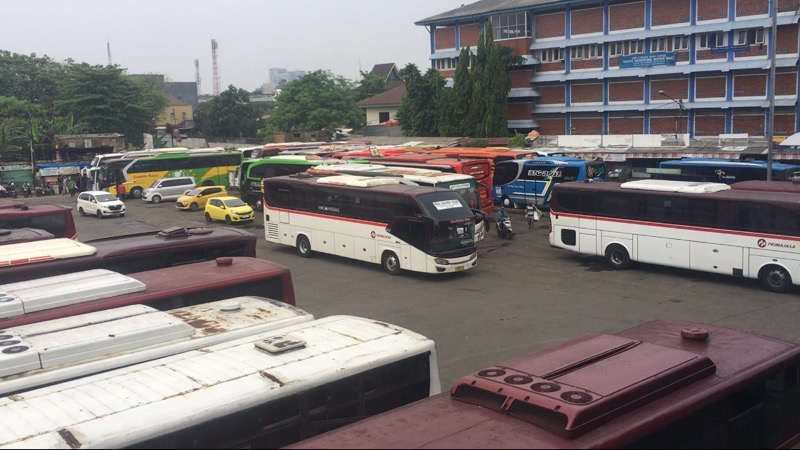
<point>208,183</point>
<point>775,279</point>
<point>618,257</point>
<point>391,263</point>
<point>136,192</point>
<point>303,246</point>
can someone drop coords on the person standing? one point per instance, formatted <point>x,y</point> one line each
<point>64,186</point>
<point>121,191</point>
<point>72,186</point>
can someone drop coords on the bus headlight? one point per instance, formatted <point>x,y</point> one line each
<point>441,261</point>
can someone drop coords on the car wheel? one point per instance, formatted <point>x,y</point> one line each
<point>617,257</point>
<point>303,246</point>
<point>194,207</point>
<point>391,263</point>
<point>208,217</point>
<point>775,279</point>
<point>99,214</point>
<point>228,220</point>
<point>136,192</point>
<point>156,199</point>
<point>81,211</point>
<point>122,215</point>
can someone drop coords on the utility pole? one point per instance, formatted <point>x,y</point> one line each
<point>679,116</point>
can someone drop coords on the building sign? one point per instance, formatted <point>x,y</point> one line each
<point>730,48</point>
<point>649,60</point>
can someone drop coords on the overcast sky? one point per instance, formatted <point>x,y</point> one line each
<point>166,36</point>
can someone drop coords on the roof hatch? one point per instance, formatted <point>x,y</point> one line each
<point>574,387</point>
<point>357,181</point>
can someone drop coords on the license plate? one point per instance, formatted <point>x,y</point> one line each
<point>459,268</point>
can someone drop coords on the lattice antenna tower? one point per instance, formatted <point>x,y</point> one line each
<point>108,49</point>
<point>197,77</point>
<point>215,66</point>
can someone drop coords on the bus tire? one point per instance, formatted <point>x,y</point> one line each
<point>390,263</point>
<point>618,257</point>
<point>194,206</point>
<point>303,246</point>
<point>208,183</point>
<point>156,199</point>
<point>775,279</point>
<point>136,192</point>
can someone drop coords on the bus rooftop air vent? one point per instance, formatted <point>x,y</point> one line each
<point>173,232</point>
<point>578,385</point>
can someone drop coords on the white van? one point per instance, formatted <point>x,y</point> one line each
<point>167,189</point>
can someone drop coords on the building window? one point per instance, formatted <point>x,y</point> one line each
<point>750,37</point>
<point>576,52</point>
<point>510,26</point>
<point>658,45</point>
<point>551,55</point>
<point>635,47</point>
<point>616,48</point>
<point>711,40</point>
<point>680,43</point>
<point>446,63</point>
<point>594,51</point>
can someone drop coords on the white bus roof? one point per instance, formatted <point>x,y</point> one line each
<point>39,251</point>
<point>62,349</point>
<point>427,176</point>
<point>120,407</point>
<point>40,294</point>
<point>675,186</point>
<point>357,181</point>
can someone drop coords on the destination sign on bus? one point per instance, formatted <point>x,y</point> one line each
<point>446,204</point>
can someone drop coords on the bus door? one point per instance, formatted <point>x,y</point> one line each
<point>416,232</point>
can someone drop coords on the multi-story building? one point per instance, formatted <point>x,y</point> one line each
<point>701,67</point>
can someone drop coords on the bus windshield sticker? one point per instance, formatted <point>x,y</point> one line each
<point>446,204</point>
<point>458,186</point>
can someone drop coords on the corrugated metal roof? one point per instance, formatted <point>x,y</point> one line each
<point>481,8</point>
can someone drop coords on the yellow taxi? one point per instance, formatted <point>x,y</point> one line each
<point>197,198</point>
<point>229,209</point>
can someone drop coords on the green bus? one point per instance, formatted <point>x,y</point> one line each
<point>251,172</point>
<point>207,169</point>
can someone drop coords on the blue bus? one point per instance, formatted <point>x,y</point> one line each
<point>520,181</point>
<point>724,170</point>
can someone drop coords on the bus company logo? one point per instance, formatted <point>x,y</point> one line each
<point>374,234</point>
<point>763,243</point>
<point>555,173</point>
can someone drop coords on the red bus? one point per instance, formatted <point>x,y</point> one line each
<point>478,168</point>
<point>54,219</point>
<point>663,384</point>
<point>124,254</point>
<point>493,154</point>
<point>167,288</point>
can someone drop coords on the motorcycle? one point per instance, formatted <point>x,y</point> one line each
<point>26,190</point>
<point>47,190</point>
<point>12,190</point>
<point>504,230</point>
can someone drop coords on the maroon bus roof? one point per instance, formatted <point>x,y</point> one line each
<point>129,253</point>
<point>18,235</point>
<point>211,280</point>
<point>768,186</point>
<point>594,391</point>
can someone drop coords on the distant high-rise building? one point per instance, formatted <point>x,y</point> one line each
<point>280,76</point>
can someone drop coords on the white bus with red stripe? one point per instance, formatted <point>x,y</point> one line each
<point>372,219</point>
<point>691,225</point>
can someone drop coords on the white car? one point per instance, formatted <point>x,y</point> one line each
<point>100,203</point>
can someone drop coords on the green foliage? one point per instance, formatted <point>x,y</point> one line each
<point>517,141</point>
<point>107,101</point>
<point>419,112</point>
<point>30,78</point>
<point>370,85</point>
<point>229,114</point>
<point>319,101</point>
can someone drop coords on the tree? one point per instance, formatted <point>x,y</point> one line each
<point>462,96</point>
<point>491,86</point>
<point>30,78</point>
<point>419,110</point>
<point>319,101</point>
<point>370,85</point>
<point>107,101</point>
<point>229,114</point>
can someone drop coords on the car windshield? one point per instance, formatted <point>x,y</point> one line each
<point>234,202</point>
<point>192,192</point>
<point>105,198</point>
